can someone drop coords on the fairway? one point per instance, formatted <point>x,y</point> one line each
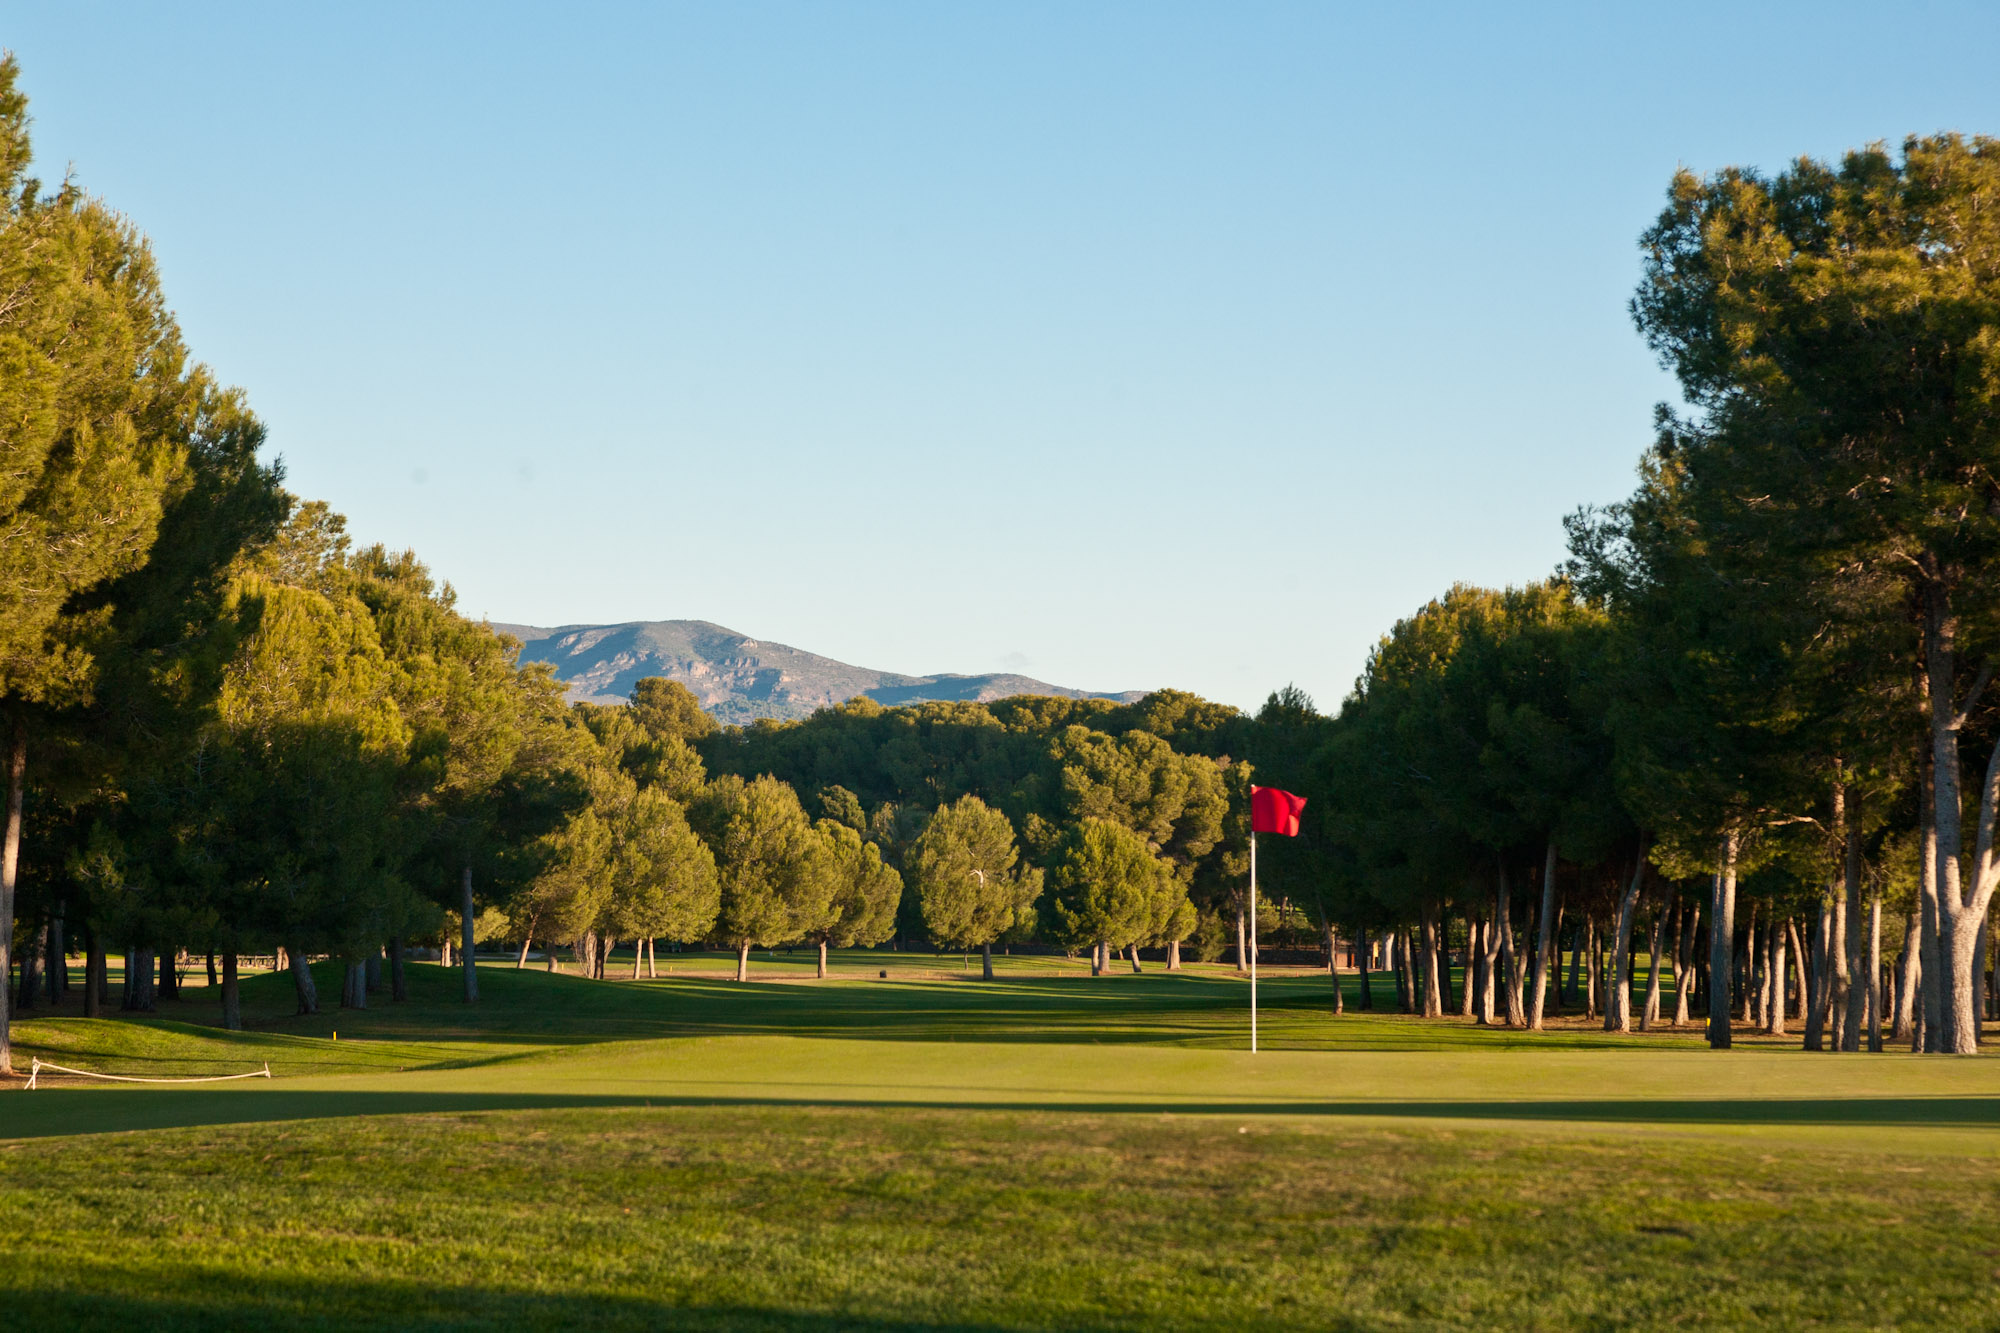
<point>1046,1150</point>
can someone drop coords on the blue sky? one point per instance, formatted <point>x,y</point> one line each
<point>1122,345</point>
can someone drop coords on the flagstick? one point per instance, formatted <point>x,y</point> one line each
<point>1253,943</point>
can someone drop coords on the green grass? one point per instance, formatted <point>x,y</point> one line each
<point>1044,1151</point>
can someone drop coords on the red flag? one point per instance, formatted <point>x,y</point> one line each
<point>1275,811</point>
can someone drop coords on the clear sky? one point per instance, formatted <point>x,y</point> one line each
<point>1120,345</point>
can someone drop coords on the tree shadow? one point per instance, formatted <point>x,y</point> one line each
<point>62,1112</point>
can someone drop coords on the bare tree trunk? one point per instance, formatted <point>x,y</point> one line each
<point>986,961</point>
<point>1589,962</point>
<point>1875,971</point>
<point>372,970</point>
<point>1930,1020</point>
<point>1907,971</point>
<point>1361,960</point>
<point>1649,1017</point>
<point>1774,1013</point>
<point>1097,959</point>
<point>1722,931</point>
<point>302,982</point>
<point>1434,969</point>
<point>652,963</point>
<point>444,952</point>
<point>10,869</point>
<point>1407,999</point>
<point>1173,955</point>
<point>1510,957</point>
<point>1821,994</point>
<point>1132,953</point>
<point>353,985</point>
<point>821,974</point>
<point>1856,953</point>
<point>1747,962</point>
<point>94,972</point>
<point>638,956</point>
<point>1618,1001</point>
<point>743,961</point>
<point>232,1003</point>
<point>1333,964</point>
<point>470,945</point>
<point>1798,961</point>
<point>1242,957</point>
<point>1684,981</point>
<point>1544,934</point>
<point>1957,919</point>
<point>522,960</point>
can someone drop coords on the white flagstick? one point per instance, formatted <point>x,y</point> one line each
<point>1253,943</point>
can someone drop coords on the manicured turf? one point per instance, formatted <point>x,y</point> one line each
<point>1044,1151</point>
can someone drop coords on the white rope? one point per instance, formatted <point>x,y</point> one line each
<point>36,1068</point>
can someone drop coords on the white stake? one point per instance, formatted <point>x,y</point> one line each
<point>1253,944</point>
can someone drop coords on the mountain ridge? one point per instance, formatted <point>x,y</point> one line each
<point>739,679</point>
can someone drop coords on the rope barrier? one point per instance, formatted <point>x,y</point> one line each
<point>38,1065</point>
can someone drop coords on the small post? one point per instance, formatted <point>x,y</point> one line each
<point>1253,943</point>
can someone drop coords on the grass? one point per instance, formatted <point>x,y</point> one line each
<point>1042,1151</point>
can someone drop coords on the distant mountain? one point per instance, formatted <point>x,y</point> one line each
<point>740,679</point>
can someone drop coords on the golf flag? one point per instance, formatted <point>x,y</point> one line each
<point>1275,811</point>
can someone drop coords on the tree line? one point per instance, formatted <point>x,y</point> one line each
<point>1746,722</point>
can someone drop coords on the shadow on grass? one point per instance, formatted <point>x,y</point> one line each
<point>64,1112</point>
<point>206,1299</point>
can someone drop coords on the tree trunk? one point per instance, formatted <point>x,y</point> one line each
<point>743,961</point>
<point>140,996</point>
<point>212,982</point>
<point>1907,969</point>
<point>1649,1017</point>
<point>1333,966</point>
<point>1856,955</point>
<point>1798,954</point>
<point>353,984</point>
<point>1746,964</point>
<point>1436,976</point>
<point>522,960</point>
<point>444,952</point>
<point>10,869</point>
<point>1618,997</point>
<point>1468,982</point>
<point>822,961</point>
<point>1722,943</point>
<point>1931,990</point>
<point>94,972</point>
<point>1875,971</point>
<point>1684,963</point>
<point>1588,961</point>
<point>468,945</point>
<point>1366,999</point>
<point>1097,959</point>
<point>1774,1012</point>
<point>1819,996</point>
<point>1508,963</point>
<point>1132,952</point>
<point>639,956</point>
<point>1173,956</point>
<point>24,996</point>
<point>1406,973</point>
<point>302,982</point>
<point>1242,957</point>
<point>652,963</point>
<point>986,961</point>
<point>1544,937</point>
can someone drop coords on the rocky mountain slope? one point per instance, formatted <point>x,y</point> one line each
<point>739,679</point>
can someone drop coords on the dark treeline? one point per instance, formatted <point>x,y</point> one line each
<point>1745,734</point>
